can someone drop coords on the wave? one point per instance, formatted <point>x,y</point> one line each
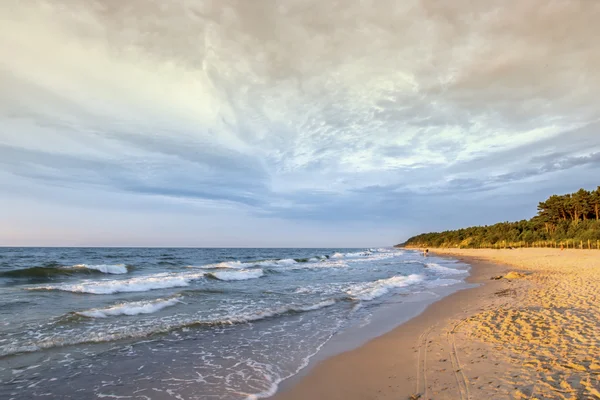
<point>300,263</point>
<point>56,270</point>
<point>387,250</point>
<point>157,327</point>
<point>38,272</point>
<point>323,264</point>
<point>309,262</point>
<point>372,290</point>
<point>366,255</point>
<point>278,263</point>
<point>359,254</point>
<point>221,265</point>
<point>445,270</point>
<point>302,289</point>
<point>317,306</point>
<point>239,275</point>
<point>294,264</point>
<point>290,261</point>
<point>304,260</point>
<point>104,268</point>
<point>141,284</point>
<point>130,308</point>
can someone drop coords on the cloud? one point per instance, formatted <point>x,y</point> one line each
<point>301,110</point>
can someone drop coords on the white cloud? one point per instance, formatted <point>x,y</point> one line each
<point>297,108</point>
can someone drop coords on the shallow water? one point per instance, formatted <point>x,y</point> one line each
<point>189,323</point>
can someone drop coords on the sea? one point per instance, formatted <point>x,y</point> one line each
<point>197,323</point>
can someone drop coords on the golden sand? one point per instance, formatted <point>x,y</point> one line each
<point>535,335</point>
<point>548,333</point>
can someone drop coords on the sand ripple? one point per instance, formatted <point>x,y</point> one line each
<point>545,334</point>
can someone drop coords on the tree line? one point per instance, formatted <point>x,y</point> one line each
<point>572,218</point>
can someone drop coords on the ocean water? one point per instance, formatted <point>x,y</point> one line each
<point>78,323</point>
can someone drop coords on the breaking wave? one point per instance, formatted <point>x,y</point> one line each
<point>359,254</point>
<point>104,268</point>
<point>372,290</point>
<point>96,336</point>
<point>130,308</point>
<point>445,270</point>
<point>239,275</point>
<point>333,260</point>
<point>221,265</point>
<point>57,271</point>
<point>141,284</point>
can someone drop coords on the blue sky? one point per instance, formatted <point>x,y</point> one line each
<point>289,123</point>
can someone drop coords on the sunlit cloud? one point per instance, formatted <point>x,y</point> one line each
<point>376,114</point>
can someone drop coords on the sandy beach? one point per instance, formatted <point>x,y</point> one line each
<point>533,336</point>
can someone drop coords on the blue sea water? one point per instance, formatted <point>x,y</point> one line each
<point>189,323</point>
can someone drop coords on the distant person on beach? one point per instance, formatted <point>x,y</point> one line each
<point>425,252</point>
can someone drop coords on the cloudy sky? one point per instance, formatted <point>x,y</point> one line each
<point>292,122</point>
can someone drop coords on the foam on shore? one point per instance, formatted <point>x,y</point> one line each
<point>372,290</point>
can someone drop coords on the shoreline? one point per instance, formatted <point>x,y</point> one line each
<point>387,318</point>
<point>372,370</point>
<point>501,339</point>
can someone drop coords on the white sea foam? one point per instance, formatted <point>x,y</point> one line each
<point>440,269</point>
<point>372,290</point>
<point>323,264</point>
<point>131,308</point>
<point>274,263</point>
<point>140,284</point>
<point>389,252</point>
<point>272,312</point>
<point>371,257</point>
<point>359,254</point>
<point>367,255</point>
<point>158,326</point>
<point>221,265</point>
<point>305,362</point>
<point>317,306</point>
<point>105,268</point>
<point>239,275</point>
<point>287,261</point>
<point>311,263</point>
<point>318,264</point>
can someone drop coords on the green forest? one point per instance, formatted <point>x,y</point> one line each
<point>569,220</point>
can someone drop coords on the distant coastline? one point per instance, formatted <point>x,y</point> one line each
<point>569,221</point>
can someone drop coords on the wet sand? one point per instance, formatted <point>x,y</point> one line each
<point>531,337</point>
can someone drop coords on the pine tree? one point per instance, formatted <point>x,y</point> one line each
<point>574,217</point>
<point>582,204</point>
<point>595,202</point>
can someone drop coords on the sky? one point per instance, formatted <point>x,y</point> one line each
<point>292,123</point>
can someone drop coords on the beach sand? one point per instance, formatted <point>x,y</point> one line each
<point>536,336</point>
